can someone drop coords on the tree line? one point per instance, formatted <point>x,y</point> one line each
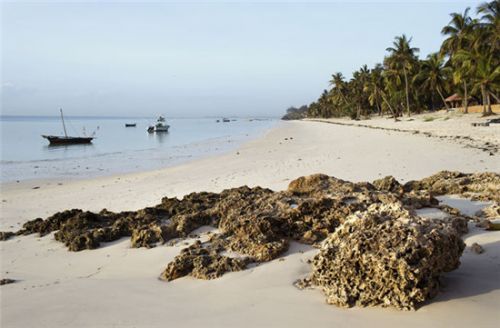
<point>468,63</point>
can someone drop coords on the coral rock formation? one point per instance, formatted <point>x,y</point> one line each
<point>377,251</point>
<point>202,263</point>
<point>385,256</point>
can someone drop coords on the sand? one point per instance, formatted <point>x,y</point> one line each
<point>117,286</point>
<point>453,125</point>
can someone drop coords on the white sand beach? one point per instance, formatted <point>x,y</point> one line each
<point>118,286</point>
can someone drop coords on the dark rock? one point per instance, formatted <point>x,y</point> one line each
<point>6,281</point>
<point>201,263</point>
<point>388,183</point>
<point>481,186</point>
<point>4,235</point>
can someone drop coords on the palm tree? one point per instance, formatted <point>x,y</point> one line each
<point>433,75</point>
<point>490,17</point>
<point>339,87</point>
<point>458,31</point>
<point>357,87</point>
<point>486,75</point>
<point>374,87</point>
<point>489,34</point>
<point>402,59</point>
<point>392,95</point>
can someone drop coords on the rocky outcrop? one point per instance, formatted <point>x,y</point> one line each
<point>377,251</point>
<point>480,186</point>
<point>385,256</point>
<point>388,183</point>
<point>203,263</point>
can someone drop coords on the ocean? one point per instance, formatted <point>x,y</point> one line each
<point>25,155</point>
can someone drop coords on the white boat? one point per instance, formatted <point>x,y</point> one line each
<point>160,126</point>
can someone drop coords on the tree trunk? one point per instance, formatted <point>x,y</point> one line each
<point>390,108</point>
<point>494,96</point>
<point>407,93</point>
<point>343,97</point>
<point>442,98</point>
<point>483,94</point>
<point>466,101</point>
<point>490,112</point>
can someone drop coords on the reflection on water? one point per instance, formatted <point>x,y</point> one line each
<point>69,147</point>
<point>161,137</point>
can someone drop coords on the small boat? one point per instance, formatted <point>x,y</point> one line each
<point>67,140</point>
<point>130,125</point>
<point>225,120</point>
<point>160,126</point>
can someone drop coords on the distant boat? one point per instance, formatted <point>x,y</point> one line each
<point>67,140</point>
<point>130,125</point>
<point>160,126</point>
<point>225,120</point>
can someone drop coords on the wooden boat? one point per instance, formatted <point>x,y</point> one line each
<point>67,140</point>
<point>60,140</point>
<point>130,125</point>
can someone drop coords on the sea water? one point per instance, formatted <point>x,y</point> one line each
<point>116,148</point>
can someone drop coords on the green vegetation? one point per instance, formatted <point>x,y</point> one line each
<point>294,113</point>
<point>468,64</point>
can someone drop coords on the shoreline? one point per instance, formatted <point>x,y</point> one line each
<point>285,152</point>
<point>126,279</point>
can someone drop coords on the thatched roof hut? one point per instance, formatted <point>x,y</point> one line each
<point>455,100</point>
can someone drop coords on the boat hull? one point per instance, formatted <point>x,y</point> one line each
<point>59,140</point>
<point>158,129</point>
<point>162,129</point>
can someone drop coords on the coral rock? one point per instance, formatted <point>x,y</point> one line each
<point>385,256</point>
<point>4,235</point>
<point>201,263</point>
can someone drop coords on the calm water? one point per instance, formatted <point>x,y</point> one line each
<point>116,149</point>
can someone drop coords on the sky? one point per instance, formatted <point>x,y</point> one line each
<point>197,58</point>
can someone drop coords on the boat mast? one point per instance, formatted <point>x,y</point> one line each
<point>64,126</point>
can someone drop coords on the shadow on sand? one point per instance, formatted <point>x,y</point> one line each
<point>478,274</point>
